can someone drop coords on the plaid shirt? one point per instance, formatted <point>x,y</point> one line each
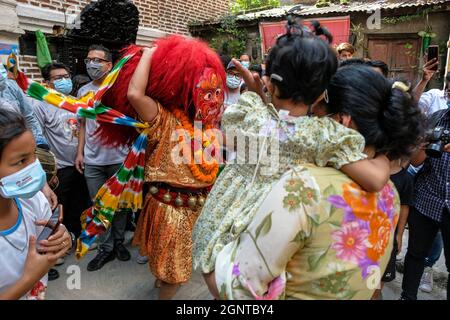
<point>432,188</point>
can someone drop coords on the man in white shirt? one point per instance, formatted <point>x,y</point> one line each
<point>435,99</point>
<point>99,162</point>
<point>234,81</point>
<point>61,129</point>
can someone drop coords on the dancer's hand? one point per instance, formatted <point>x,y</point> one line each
<point>145,106</point>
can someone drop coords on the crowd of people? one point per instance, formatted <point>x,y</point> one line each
<point>360,157</point>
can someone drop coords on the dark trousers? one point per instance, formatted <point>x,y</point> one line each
<point>422,232</point>
<point>73,194</point>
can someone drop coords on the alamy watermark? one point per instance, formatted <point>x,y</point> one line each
<point>374,20</point>
<point>209,147</point>
<point>373,281</point>
<point>73,281</point>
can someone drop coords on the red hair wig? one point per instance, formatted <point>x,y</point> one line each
<point>177,66</point>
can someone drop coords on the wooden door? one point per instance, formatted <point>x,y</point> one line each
<point>400,54</point>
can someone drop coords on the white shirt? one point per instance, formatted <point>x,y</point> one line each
<point>95,154</point>
<point>60,128</point>
<point>12,261</point>
<point>433,101</point>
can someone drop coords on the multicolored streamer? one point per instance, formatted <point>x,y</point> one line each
<point>13,66</point>
<point>123,191</point>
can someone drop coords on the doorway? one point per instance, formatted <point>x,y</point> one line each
<point>400,52</point>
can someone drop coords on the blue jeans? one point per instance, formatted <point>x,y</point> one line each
<point>435,252</point>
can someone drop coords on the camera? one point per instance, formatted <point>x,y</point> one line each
<point>438,138</point>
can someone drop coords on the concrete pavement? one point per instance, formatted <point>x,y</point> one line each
<point>131,281</point>
<point>117,280</point>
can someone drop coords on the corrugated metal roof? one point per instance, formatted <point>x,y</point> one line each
<point>271,13</point>
<point>359,6</point>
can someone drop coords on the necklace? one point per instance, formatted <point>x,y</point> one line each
<point>21,217</point>
<point>204,171</point>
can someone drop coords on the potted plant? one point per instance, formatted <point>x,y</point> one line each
<point>426,36</point>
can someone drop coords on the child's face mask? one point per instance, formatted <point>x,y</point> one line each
<point>24,183</point>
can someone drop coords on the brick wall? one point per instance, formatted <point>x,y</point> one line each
<point>29,66</point>
<point>174,16</point>
<point>170,16</point>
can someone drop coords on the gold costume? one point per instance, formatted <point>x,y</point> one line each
<point>164,231</point>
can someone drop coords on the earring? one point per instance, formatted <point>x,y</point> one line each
<point>325,97</point>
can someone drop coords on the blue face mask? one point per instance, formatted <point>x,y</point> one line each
<point>233,82</point>
<point>245,64</point>
<point>64,86</point>
<point>24,183</point>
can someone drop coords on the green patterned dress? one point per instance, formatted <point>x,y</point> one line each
<point>279,142</point>
<point>317,235</point>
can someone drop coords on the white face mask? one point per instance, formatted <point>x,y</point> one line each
<point>245,64</point>
<point>233,82</point>
<point>95,70</point>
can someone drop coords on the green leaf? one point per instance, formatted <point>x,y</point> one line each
<point>233,254</point>
<point>422,34</point>
<point>315,260</point>
<point>315,218</point>
<point>264,227</point>
<point>334,224</point>
<point>329,191</point>
<point>299,238</point>
<point>333,210</point>
<point>350,295</point>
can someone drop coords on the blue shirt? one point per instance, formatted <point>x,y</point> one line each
<point>14,95</point>
<point>432,188</point>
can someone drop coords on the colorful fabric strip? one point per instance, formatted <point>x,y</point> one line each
<point>123,191</point>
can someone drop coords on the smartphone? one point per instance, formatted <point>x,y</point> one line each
<point>433,53</point>
<point>51,226</point>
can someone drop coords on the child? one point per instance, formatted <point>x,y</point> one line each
<point>300,68</point>
<point>23,211</point>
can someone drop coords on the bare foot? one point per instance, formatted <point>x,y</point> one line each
<point>167,291</point>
